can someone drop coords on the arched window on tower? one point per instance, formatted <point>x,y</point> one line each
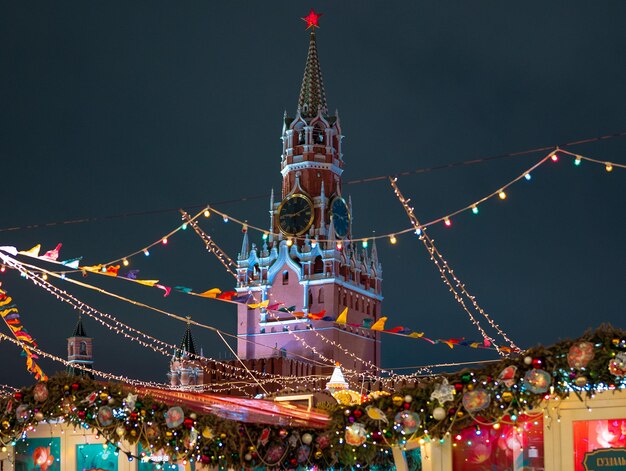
<point>318,265</point>
<point>286,277</point>
<point>320,296</point>
<point>318,134</point>
<point>71,348</point>
<point>299,132</point>
<point>83,348</point>
<point>310,298</point>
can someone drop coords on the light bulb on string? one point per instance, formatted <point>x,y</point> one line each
<point>225,218</point>
<point>184,227</point>
<point>146,252</point>
<point>608,167</point>
<point>577,160</point>
<point>207,213</point>
<point>364,243</point>
<point>393,239</point>
<point>265,236</point>
<point>502,195</point>
<point>554,157</point>
<point>447,221</point>
<point>528,177</point>
<point>44,276</point>
<point>339,245</point>
<point>3,269</point>
<point>475,209</point>
<point>164,241</point>
<point>418,232</point>
<point>314,243</point>
<point>289,242</point>
<point>125,262</point>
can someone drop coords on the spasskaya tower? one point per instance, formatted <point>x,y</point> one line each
<point>305,267</point>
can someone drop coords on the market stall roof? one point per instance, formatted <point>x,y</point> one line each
<point>257,411</point>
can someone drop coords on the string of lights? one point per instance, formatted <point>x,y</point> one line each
<point>210,244</point>
<point>500,193</point>
<point>445,270</point>
<point>119,327</point>
<point>102,374</point>
<point>463,163</point>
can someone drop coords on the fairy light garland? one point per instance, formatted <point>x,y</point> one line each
<point>120,327</point>
<point>445,270</point>
<point>500,193</point>
<point>210,244</point>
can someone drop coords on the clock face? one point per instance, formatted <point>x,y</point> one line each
<point>295,215</point>
<point>341,216</point>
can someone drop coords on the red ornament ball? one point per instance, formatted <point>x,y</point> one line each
<point>357,413</point>
<point>458,387</point>
<point>537,363</point>
<point>75,386</point>
<point>188,423</point>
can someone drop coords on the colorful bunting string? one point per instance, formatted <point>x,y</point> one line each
<point>11,317</point>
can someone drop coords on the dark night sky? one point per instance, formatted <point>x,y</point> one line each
<point>116,107</point>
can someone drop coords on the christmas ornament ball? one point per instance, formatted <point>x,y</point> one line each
<point>439,413</point>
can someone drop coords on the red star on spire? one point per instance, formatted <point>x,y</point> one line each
<point>312,19</point>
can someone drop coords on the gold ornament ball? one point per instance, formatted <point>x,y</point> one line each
<point>133,433</point>
<point>318,455</point>
<point>222,436</point>
<point>168,434</point>
<point>38,416</point>
<point>470,387</point>
<point>251,448</point>
<point>120,431</point>
<point>104,396</point>
<point>397,400</point>
<point>507,396</point>
<point>6,424</point>
<point>460,414</point>
<point>581,381</point>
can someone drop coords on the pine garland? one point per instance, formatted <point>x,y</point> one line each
<point>357,435</point>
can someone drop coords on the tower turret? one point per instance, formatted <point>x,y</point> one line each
<point>185,367</point>
<point>80,351</point>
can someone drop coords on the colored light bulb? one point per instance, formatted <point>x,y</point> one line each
<point>184,227</point>
<point>502,195</point>
<point>207,213</point>
<point>393,239</point>
<point>146,252</point>
<point>125,262</point>
<point>447,222</point>
<point>339,245</point>
<point>3,269</point>
<point>418,231</point>
<point>554,157</point>
<point>289,242</point>
<point>44,276</point>
<point>577,161</point>
<point>164,241</point>
<point>475,209</point>
<point>527,176</point>
<point>225,218</point>
<point>364,244</point>
<point>265,236</point>
<point>609,167</point>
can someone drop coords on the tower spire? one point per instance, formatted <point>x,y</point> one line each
<point>312,96</point>
<point>187,345</point>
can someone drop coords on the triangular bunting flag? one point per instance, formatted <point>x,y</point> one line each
<point>343,317</point>
<point>210,293</point>
<point>34,252</point>
<point>379,324</point>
